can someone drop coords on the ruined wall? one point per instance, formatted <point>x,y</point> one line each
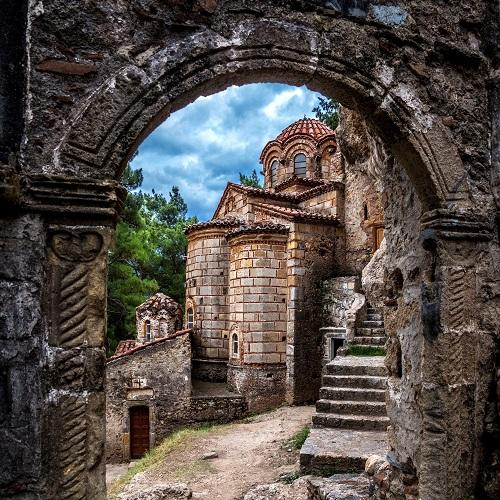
<point>314,253</point>
<point>364,164</point>
<point>338,297</point>
<point>402,271</point>
<point>158,376</point>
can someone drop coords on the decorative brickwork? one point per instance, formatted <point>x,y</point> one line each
<point>158,317</point>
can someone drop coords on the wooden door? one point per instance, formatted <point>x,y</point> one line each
<point>379,236</point>
<point>139,431</point>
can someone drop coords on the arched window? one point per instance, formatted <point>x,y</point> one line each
<point>147,330</point>
<point>190,317</point>
<point>234,340</point>
<point>274,172</point>
<point>299,165</point>
<point>365,211</point>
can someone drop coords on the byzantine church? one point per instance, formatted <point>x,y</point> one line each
<point>254,272</point>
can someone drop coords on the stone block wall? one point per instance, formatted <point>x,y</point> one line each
<point>161,326</point>
<point>158,376</point>
<point>329,203</point>
<point>257,305</point>
<point>258,296</point>
<point>220,409</point>
<point>206,290</point>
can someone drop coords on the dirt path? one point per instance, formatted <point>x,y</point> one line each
<point>249,453</point>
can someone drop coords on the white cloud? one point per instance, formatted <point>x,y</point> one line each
<point>272,110</point>
<point>209,142</point>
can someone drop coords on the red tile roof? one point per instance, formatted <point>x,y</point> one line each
<point>306,126</point>
<point>297,214</point>
<point>124,346</point>
<point>258,227</point>
<point>293,180</point>
<point>158,302</point>
<point>222,222</point>
<point>140,347</point>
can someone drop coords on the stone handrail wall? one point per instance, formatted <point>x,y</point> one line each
<point>355,314</point>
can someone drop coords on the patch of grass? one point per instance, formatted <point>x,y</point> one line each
<point>290,477</point>
<point>361,350</point>
<point>187,471</point>
<point>298,439</point>
<point>155,456</point>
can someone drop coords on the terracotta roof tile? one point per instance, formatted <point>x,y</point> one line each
<point>306,126</point>
<point>158,302</point>
<point>302,181</point>
<point>124,346</point>
<point>140,347</point>
<point>222,222</point>
<point>298,214</point>
<point>258,227</point>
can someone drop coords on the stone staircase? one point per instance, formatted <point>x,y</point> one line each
<point>371,332</point>
<point>351,419</point>
<point>353,394</point>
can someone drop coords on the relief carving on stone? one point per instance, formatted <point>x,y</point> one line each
<point>73,252</point>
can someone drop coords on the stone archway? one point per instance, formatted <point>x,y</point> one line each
<point>102,77</point>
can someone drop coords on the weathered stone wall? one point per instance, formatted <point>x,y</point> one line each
<point>161,325</point>
<point>314,252</point>
<point>258,296</point>
<point>338,297</point>
<point>331,203</point>
<point>364,165</point>
<point>158,375</point>
<point>264,386</point>
<point>207,283</point>
<point>220,409</point>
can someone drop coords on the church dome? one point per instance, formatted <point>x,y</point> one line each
<point>306,126</point>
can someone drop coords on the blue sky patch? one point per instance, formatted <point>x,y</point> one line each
<point>206,144</point>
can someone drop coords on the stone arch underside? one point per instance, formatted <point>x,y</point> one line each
<point>109,126</point>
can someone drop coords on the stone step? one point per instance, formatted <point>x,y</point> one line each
<point>374,317</point>
<point>354,422</point>
<point>362,365</point>
<point>379,332</point>
<point>355,381</point>
<point>376,408</point>
<point>369,340</point>
<point>350,394</point>
<point>367,346</point>
<point>372,324</point>
<point>340,450</point>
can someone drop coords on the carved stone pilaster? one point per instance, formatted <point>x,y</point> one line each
<point>74,425</point>
<point>453,361</point>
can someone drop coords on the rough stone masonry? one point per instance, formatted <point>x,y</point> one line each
<point>82,83</point>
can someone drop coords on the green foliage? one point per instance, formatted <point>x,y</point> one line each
<point>327,111</point>
<point>251,180</point>
<point>148,255</point>
<point>362,350</point>
<point>299,438</point>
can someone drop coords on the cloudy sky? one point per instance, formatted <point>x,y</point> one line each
<point>206,144</point>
